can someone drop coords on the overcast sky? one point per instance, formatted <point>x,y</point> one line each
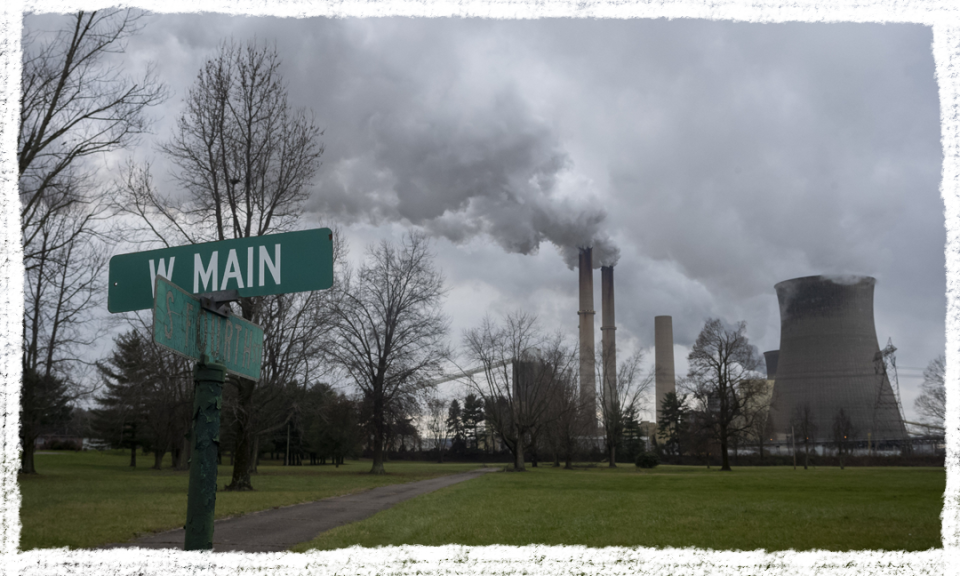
<point>716,158</point>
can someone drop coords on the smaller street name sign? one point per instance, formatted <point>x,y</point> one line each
<point>253,266</point>
<point>181,325</point>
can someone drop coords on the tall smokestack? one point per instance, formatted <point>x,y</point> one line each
<point>588,375</point>
<point>608,335</point>
<point>666,379</point>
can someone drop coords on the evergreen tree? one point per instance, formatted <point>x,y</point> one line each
<point>631,442</point>
<point>472,418</point>
<point>673,423</point>
<point>455,427</point>
<point>44,406</point>
<point>147,399</point>
<point>119,419</point>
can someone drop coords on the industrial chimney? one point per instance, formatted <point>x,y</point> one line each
<point>588,375</point>
<point>665,377</point>
<point>608,342</point>
<point>828,346</point>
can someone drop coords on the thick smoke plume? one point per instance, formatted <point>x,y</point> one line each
<point>499,172</point>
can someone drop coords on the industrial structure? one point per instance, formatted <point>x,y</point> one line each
<point>608,342</point>
<point>664,372</point>
<point>588,377</point>
<point>829,359</point>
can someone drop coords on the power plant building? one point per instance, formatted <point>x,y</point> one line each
<point>829,359</point>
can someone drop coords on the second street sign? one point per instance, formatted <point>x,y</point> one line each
<point>181,325</point>
<point>254,266</point>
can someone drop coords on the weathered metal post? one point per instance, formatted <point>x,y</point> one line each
<point>202,493</point>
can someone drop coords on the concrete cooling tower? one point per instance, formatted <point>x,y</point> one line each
<point>827,361</point>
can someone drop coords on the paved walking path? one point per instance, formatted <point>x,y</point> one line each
<point>278,529</point>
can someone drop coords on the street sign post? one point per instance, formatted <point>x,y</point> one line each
<point>194,326</point>
<point>220,343</point>
<point>254,266</point>
<point>182,325</point>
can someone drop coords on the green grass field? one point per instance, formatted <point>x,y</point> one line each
<point>86,499</point>
<point>772,508</point>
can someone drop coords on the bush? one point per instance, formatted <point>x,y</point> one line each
<point>647,460</point>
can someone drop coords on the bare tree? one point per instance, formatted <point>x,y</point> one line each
<point>620,397</point>
<point>843,433</point>
<point>758,411</point>
<point>521,369</point>
<point>803,424</point>
<point>245,158</point>
<point>932,402</point>
<point>564,420</point>
<point>722,363</point>
<point>437,423</point>
<point>66,104</point>
<point>388,330</point>
<point>60,289</point>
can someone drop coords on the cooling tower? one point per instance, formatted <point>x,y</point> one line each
<point>608,339</point>
<point>828,346</point>
<point>588,374</point>
<point>665,377</point>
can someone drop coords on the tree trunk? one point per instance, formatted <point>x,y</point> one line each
<point>255,455</point>
<point>612,454</point>
<point>806,454</point>
<point>133,455</point>
<point>26,460</point>
<point>158,458</point>
<point>518,465</point>
<point>378,432</point>
<point>241,450</point>
<point>724,457</point>
<point>183,459</point>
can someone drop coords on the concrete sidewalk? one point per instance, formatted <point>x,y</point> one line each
<point>278,529</point>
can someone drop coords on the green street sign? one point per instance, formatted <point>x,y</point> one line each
<point>254,266</point>
<point>181,325</point>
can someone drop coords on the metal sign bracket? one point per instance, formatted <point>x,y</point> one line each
<point>216,302</point>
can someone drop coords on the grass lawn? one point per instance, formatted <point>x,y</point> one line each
<point>86,499</point>
<point>774,508</point>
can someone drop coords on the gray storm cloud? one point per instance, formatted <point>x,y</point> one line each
<point>494,170</point>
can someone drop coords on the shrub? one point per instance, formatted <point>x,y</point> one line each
<point>647,460</point>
